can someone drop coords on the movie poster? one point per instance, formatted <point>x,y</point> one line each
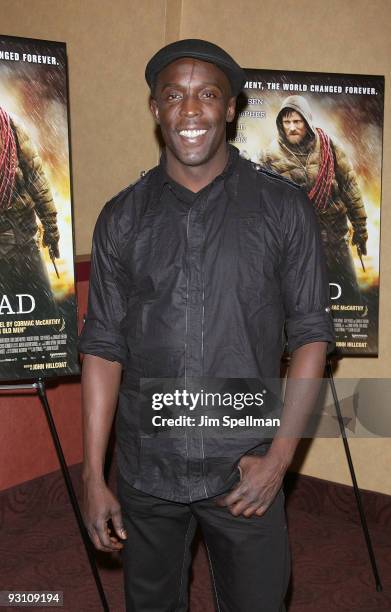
<point>324,132</point>
<point>38,330</point>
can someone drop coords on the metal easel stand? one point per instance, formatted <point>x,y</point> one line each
<point>329,371</point>
<point>39,386</point>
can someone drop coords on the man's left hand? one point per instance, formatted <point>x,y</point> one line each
<point>54,251</point>
<point>261,479</point>
<point>52,245</point>
<point>360,240</point>
<point>50,240</point>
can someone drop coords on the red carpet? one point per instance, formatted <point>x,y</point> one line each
<point>40,549</point>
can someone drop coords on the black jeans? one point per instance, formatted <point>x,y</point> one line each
<point>249,557</point>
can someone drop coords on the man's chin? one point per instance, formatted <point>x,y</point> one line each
<point>196,154</point>
<point>192,157</point>
<point>295,140</point>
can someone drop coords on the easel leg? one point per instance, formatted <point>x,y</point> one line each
<point>357,493</point>
<point>40,386</point>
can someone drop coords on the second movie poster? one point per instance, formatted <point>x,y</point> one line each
<point>324,132</point>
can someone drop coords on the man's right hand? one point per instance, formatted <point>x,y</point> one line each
<point>100,505</point>
<point>100,384</point>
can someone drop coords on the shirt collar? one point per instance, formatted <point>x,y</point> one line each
<point>164,179</point>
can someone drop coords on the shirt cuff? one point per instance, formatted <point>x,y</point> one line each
<point>311,327</point>
<point>102,342</point>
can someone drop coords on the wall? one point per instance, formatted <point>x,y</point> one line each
<point>112,140</point>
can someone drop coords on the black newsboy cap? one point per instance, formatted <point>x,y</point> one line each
<point>197,49</point>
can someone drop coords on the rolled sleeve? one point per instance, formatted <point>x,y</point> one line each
<point>304,278</point>
<point>102,334</point>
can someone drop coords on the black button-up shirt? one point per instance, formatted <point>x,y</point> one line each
<point>185,286</point>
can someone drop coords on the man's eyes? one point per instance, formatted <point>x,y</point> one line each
<point>205,94</point>
<point>173,95</point>
<point>209,94</point>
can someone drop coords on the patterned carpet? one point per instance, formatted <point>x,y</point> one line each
<point>40,549</point>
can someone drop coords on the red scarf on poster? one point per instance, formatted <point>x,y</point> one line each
<point>8,159</point>
<point>320,192</point>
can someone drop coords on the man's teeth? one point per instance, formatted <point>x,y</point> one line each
<point>192,133</point>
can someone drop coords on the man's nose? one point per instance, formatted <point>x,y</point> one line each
<point>190,106</point>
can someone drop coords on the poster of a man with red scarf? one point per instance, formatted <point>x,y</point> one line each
<point>324,132</point>
<point>38,329</point>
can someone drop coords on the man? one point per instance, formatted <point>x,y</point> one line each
<point>309,157</point>
<point>195,268</point>
<point>25,196</point>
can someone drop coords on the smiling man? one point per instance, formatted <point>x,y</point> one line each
<point>196,269</point>
<point>192,102</point>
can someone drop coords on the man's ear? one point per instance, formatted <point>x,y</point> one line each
<point>153,107</point>
<point>231,109</point>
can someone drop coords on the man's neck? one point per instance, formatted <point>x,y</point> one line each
<point>195,178</point>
